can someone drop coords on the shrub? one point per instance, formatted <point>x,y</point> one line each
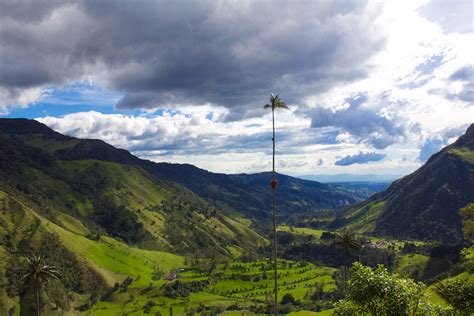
<point>288,299</point>
<point>378,292</point>
<point>459,294</point>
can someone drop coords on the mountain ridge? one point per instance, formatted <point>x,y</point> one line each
<point>313,195</point>
<point>424,204</point>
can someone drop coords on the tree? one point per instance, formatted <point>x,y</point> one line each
<point>288,299</point>
<point>468,258</point>
<point>459,294</point>
<point>467,214</point>
<point>378,292</point>
<point>37,274</point>
<point>275,103</point>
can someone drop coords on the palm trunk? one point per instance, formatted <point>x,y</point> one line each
<point>275,276</point>
<point>37,298</point>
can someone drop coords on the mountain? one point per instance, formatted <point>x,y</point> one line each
<point>99,221</point>
<point>248,193</point>
<point>152,205</point>
<point>424,204</point>
<point>107,192</point>
<point>346,177</point>
<point>245,193</point>
<point>364,189</point>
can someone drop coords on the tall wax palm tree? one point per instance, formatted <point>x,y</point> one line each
<point>38,273</point>
<point>275,103</point>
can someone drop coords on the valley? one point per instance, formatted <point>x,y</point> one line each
<point>134,237</point>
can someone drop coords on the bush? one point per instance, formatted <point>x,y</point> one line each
<point>287,299</point>
<point>345,308</point>
<point>459,294</point>
<point>378,292</point>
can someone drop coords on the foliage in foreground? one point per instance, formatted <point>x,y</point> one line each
<point>459,294</point>
<point>467,215</point>
<point>378,292</point>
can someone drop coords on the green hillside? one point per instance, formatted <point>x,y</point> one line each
<point>225,191</point>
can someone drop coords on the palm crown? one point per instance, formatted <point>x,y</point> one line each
<point>38,273</point>
<point>275,103</point>
<point>346,239</point>
<point>38,270</point>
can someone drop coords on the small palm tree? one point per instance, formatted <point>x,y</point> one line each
<point>346,240</point>
<point>275,103</point>
<point>38,273</point>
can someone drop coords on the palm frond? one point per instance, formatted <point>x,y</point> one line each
<point>37,269</point>
<point>281,105</point>
<point>346,239</point>
<point>275,103</point>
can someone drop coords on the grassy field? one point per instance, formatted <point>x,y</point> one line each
<point>463,152</point>
<point>114,259</point>
<point>228,284</point>
<point>363,220</point>
<point>410,265</point>
<point>302,230</point>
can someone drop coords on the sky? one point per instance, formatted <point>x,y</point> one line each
<point>373,87</point>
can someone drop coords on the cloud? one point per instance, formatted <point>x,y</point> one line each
<point>438,140</point>
<point>188,132</point>
<point>360,158</point>
<point>29,10</point>
<point>365,123</point>
<point>464,76</point>
<point>430,147</point>
<point>292,163</point>
<point>452,16</point>
<point>465,73</point>
<point>161,53</point>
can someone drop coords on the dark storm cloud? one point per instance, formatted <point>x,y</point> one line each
<point>162,53</point>
<point>28,10</point>
<point>360,158</point>
<point>364,123</point>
